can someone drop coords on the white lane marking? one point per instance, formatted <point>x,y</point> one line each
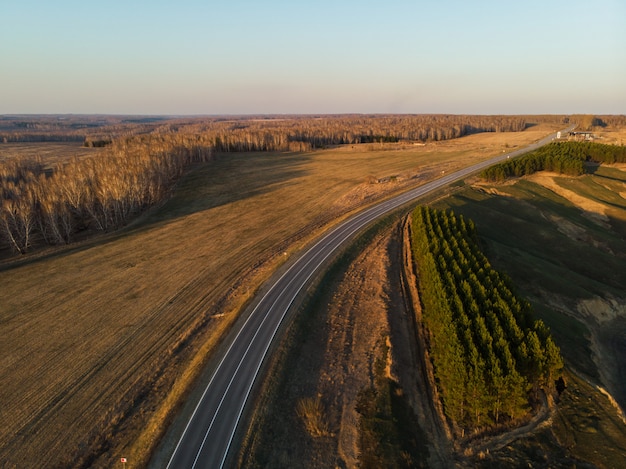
<point>337,243</point>
<point>295,265</point>
<point>360,221</point>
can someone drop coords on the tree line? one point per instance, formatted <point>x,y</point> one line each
<point>489,354</point>
<point>306,133</point>
<point>568,158</point>
<point>263,133</point>
<point>43,205</point>
<point>72,128</point>
<point>144,156</point>
<point>589,121</point>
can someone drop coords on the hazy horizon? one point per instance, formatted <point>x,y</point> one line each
<point>341,57</point>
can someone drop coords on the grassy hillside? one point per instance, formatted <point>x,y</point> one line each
<point>562,241</point>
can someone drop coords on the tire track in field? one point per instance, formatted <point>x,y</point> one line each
<point>181,313</point>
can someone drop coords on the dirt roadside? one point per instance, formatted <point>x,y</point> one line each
<point>334,361</point>
<point>417,377</point>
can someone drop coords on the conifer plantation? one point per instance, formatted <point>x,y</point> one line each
<point>490,356</point>
<point>568,158</point>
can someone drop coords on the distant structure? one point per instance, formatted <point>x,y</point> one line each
<point>581,136</point>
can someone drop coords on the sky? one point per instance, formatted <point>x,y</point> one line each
<point>193,57</point>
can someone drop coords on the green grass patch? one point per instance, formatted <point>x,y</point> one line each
<point>555,255</point>
<point>572,336</point>
<point>543,241</point>
<point>558,256</point>
<point>594,188</point>
<point>610,172</point>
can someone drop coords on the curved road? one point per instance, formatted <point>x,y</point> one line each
<point>208,436</point>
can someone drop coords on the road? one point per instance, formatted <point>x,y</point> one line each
<point>209,433</point>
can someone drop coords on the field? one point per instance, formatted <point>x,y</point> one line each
<point>97,333</point>
<point>50,153</point>
<point>562,242</point>
<point>535,228</point>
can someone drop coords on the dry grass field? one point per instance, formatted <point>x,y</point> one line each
<point>49,152</point>
<point>562,240</point>
<point>96,334</point>
<point>559,235</point>
<point>612,136</point>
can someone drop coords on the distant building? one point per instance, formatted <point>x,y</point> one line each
<point>581,136</point>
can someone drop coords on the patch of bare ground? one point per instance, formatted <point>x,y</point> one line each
<point>606,321</point>
<point>332,359</point>
<point>374,187</point>
<point>495,440</point>
<point>357,321</point>
<point>605,317</point>
<point>418,374</point>
<point>334,362</point>
<point>103,339</point>
<point>595,211</point>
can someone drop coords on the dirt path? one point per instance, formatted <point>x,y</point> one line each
<point>497,442</point>
<point>334,361</point>
<point>416,377</point>
<point>358,321</point>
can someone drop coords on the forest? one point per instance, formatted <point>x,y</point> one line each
<point>568,158</point>
<point>50,204</point>
<point>259,133</point>
<point>305,133</point>
<point>42,204</point>
<point>490,355</point>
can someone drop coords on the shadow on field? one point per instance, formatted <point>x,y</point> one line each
<point>557,258</point>
<point>229,178</point>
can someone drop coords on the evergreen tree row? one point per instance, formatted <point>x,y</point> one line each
<point>488,351</point>
<point>50,205</point>
<point>561,157</point>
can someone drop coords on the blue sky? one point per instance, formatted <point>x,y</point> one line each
<point>341,56</point>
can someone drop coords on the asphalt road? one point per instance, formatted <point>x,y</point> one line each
<point>209,433</point>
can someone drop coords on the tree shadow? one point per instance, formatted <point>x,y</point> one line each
<point>229,178</point>
<point>554,254</point>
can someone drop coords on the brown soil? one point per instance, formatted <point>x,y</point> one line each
<point>102,338</point>
<point>371,300</point>
<point>335,362</point>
